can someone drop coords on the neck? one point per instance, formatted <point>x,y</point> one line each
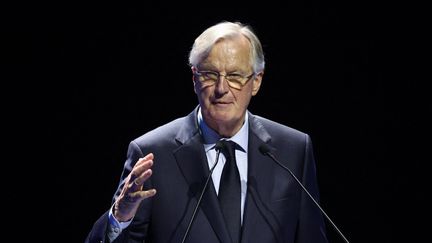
<point>226,130</point>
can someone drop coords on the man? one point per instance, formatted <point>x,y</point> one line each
<point>227,63</point>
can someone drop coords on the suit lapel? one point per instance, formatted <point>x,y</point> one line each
<point>192,161</point>
<point>260,183</point>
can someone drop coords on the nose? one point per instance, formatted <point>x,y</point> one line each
<point>222,85</point>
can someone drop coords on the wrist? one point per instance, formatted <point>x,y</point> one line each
<point>118,215</point>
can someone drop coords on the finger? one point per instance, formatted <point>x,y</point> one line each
<point>143,177</point>
<point>137,171</point>
<point>135,197</point>
<point>149,156</point>
<point>147,194</point>
<point>144,166</point>
<point>142,160</point>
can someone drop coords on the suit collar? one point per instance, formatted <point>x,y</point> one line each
<point>258,129</point>
<point>190,128</point>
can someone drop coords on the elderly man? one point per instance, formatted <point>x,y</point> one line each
<point>205,177</point>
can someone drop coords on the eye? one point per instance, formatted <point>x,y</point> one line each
<point>211,75</point>
<point>234,77</point>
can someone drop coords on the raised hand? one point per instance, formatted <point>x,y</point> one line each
<point>132,194</point>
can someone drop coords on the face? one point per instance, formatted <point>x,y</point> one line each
<point>223,107</point>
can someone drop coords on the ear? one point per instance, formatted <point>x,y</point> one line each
<point>193,80</point>
<point>257,83</point>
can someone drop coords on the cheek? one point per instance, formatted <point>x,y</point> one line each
<point>203,94</point>
<point>243,102</point>
<point>197,88</point>
<point>244,97</point>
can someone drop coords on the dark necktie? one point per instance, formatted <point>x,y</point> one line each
<point>230,192</point>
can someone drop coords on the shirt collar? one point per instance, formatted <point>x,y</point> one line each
<point>211,137</point>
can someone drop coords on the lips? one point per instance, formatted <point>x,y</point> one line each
<point>223,105</point>
<point>223,102</point>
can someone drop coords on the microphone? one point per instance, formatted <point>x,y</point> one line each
<point>265,149</point>
<point>218,148</point>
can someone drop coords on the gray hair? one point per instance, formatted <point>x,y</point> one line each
<point>205,42</point>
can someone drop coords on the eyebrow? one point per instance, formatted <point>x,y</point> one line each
<point>207,66</point>
<point>216,71</point>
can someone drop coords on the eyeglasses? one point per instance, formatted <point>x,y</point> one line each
<point>234,80</point>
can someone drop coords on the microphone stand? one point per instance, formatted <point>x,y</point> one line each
<point>218,147</point>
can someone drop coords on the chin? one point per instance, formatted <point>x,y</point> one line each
<point>218,115</point>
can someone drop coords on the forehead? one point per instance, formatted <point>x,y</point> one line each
<point>229,53</point>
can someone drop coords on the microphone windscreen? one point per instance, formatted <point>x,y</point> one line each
<point>264,149</point>
<point>219,145</point>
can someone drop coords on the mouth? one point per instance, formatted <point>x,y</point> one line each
<point>219,102</point>
<point>222,104</point>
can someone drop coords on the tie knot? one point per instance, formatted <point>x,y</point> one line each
<point>228,148</point>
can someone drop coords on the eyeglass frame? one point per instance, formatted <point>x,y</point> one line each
<point>218,74</point>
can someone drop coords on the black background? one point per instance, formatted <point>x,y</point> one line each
<point>109,73</point>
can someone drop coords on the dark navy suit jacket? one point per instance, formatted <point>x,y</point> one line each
<point>276,209</point>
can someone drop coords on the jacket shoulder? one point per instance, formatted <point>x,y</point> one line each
<point>279,131</point>
<point>163,133</point>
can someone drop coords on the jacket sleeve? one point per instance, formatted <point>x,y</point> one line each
<point>137,230</point>
<point>98,232</point>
